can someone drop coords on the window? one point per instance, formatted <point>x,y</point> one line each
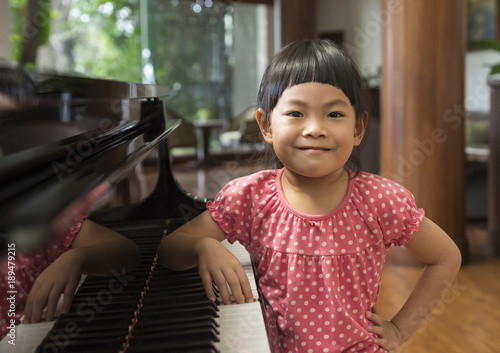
<point>210,53</point>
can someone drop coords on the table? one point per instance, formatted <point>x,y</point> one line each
<point>203,130</point>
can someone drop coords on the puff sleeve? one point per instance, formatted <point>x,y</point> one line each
<point>232,210</point>
<point>399,217</point>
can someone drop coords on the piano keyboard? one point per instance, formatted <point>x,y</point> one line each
<point>152,309</point>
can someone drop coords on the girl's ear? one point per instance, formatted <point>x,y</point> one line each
<point>360,128</point>
<point>264,125</point>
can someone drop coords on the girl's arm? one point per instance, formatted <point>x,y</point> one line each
<point>96,250</point>
<point>197,243</point>
<point>443,259</point>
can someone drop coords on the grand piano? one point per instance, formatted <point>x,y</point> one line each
<point>81,146</point>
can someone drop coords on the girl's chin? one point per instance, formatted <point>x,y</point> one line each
<point>315,171</point>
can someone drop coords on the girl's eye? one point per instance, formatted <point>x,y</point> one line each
<point>335,115</point>
<point>295,114</point>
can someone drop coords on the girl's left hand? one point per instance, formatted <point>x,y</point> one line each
<point>61,277</point>
<point>388,335</point>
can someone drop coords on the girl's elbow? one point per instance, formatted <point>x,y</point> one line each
<point>456,258</point>
<point>451,259</point>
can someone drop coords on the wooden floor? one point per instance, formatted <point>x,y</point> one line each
<point>467,321</point>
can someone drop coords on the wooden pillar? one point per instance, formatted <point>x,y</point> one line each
<point>422,129</point>
<point>294,20</point>
<point>493,239</point>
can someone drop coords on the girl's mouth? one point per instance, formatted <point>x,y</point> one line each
<point>314,149</point>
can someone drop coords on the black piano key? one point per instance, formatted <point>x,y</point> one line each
<point>88,333</point>
<point>179,320</point>
<point>174,314</point>
<point>184,330</point>
<point>97,322</point>
<point>82,305</point>
<point>90,291</point>
<point>168,306</point>
<point>174,290</point>
<point>106,345</point>
<point>177,346</point>
<point>177,300</point>
<point>180,325</point>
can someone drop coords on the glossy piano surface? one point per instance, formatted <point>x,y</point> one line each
<point>49,169</point>
<point>77,143</point>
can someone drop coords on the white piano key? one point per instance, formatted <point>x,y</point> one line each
<point>242,329</point>
<point>239,251</point>
<point>27,337</point>
<point>242,326</point>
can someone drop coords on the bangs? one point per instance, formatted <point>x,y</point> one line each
<point>314,65</point>
<point>310,62</point>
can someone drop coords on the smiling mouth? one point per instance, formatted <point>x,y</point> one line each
<point>314,151</point>
<point>312,148</point>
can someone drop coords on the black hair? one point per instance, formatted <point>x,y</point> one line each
<point>319,61</point>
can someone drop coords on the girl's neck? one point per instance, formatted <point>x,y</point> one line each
<point>315,196</point>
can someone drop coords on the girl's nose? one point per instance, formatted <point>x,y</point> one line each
<point>314,127</point>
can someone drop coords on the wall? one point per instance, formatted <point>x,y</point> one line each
<point>477,92</point>
<point>252,43</point>
<point>5,51</point>
<point>361,21</point>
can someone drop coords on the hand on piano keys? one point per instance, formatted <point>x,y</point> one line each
<point>221,272</point>
<point>243,320</point>
<point>233,328</point>
<point>242,255</point>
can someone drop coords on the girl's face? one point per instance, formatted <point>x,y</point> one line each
<point>312,129</point>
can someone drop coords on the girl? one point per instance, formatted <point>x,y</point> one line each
<point>317,231</point>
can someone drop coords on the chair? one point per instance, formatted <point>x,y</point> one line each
<point>184,136</point>
<point>242,128</point>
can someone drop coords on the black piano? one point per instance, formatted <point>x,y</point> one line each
<point>81,146</point>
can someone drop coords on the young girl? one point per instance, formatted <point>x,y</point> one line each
<point>317,231</point>
<point>42,275</point>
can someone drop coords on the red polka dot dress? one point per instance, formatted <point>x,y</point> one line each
<point>318,274</point>
<point>28,266</point>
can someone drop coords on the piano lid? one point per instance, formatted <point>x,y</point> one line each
<point>43,108</point>
<point>95,88</point>
<point>19,89</point>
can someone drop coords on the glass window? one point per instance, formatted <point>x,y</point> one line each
<point>210,53</point>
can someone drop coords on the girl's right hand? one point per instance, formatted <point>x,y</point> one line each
<point>216,264</point>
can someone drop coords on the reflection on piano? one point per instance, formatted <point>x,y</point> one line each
<point>107,130</point>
